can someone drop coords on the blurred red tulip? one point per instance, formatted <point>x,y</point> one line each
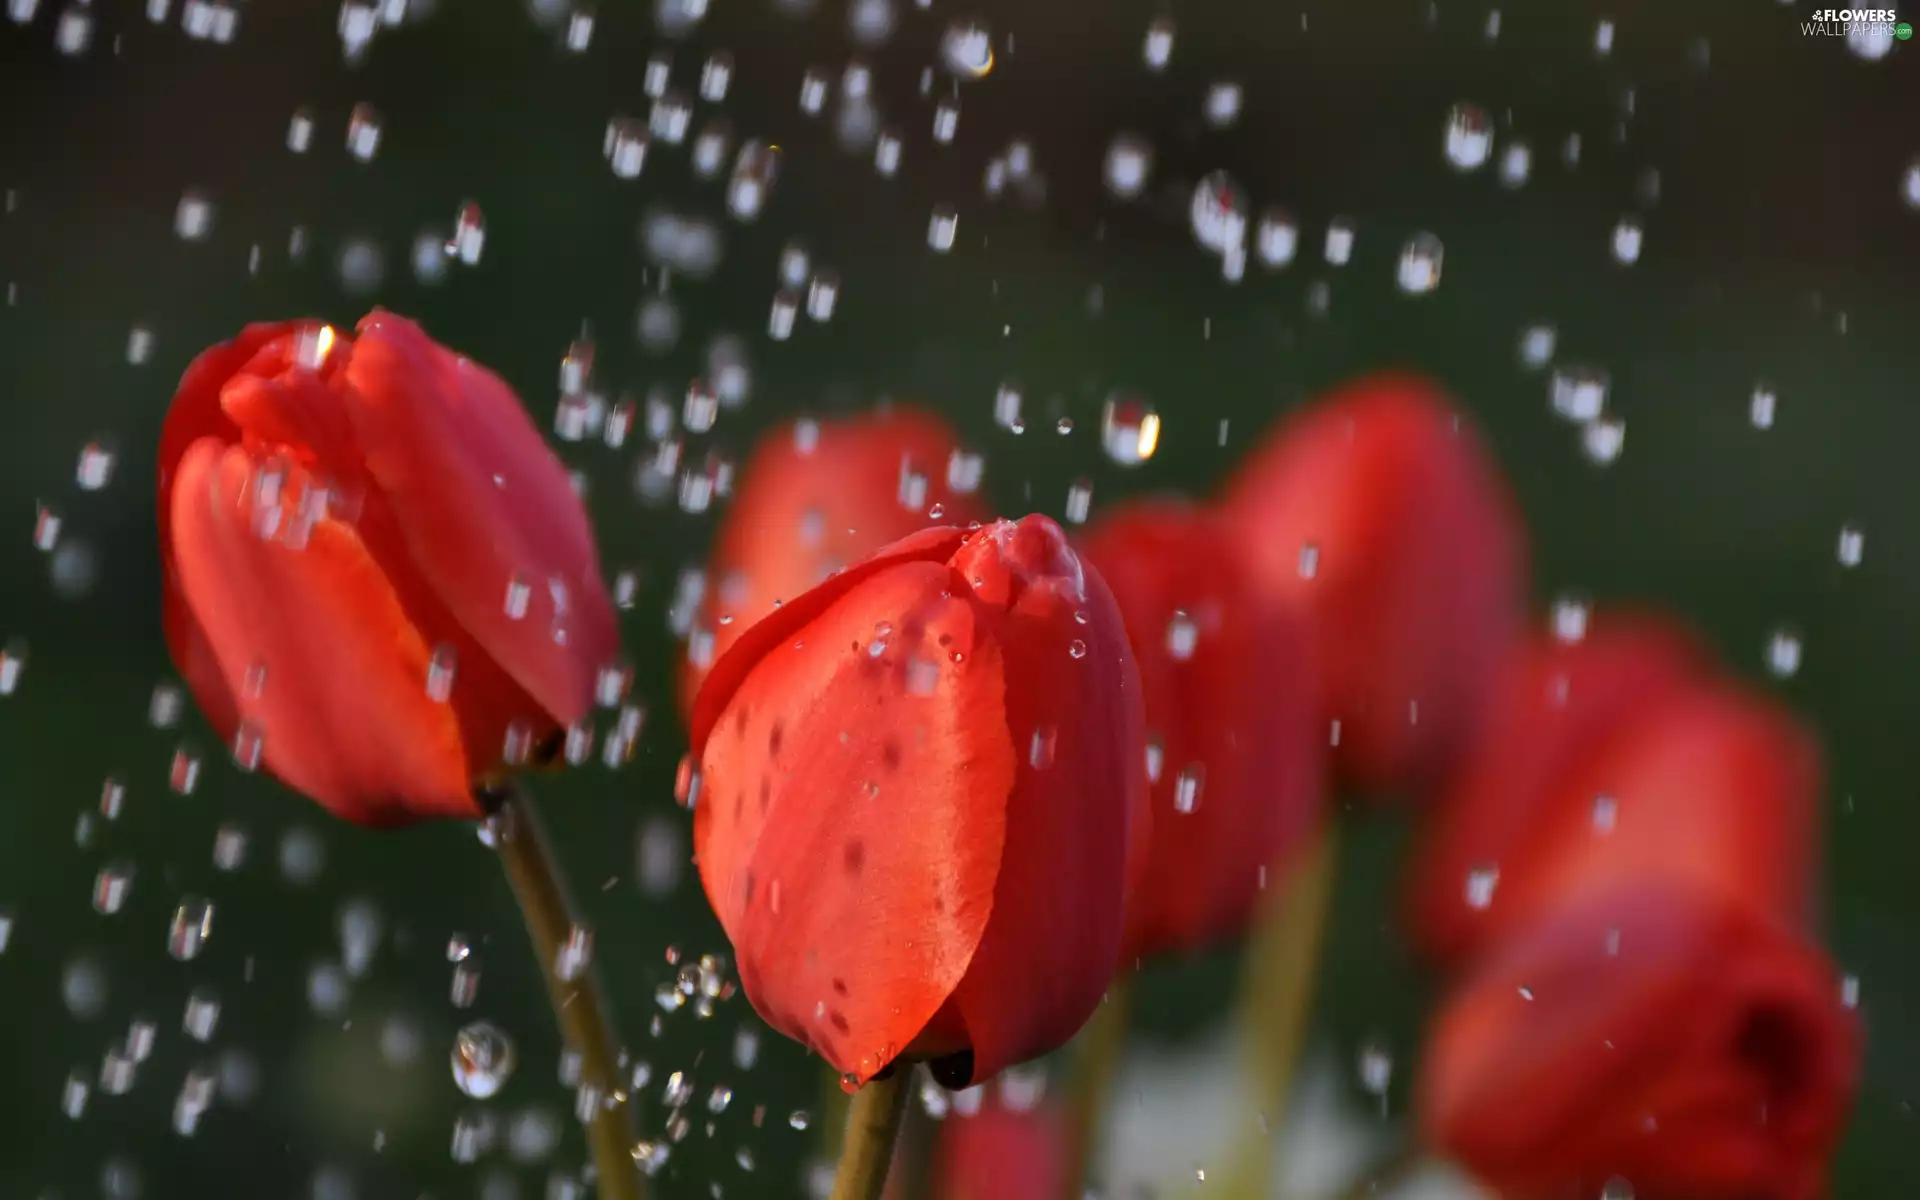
<point>1708,787</point>
<point>378,581</point>
<point>1000,1154</point>
<point>1234,736</point>
<point>1659,1037</point>
<point>817,496</point>
<point>1557,707</point>
<point>1378,513</point>
<point>915,788</point>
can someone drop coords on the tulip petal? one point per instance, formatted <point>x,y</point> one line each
<point>716,692</point>
<point>1689,1044</point>
<point>1074,710</point>
<point>196,411</point>
<point>1379,514</point>
<point>853,886</point>
<point>487,512</point>
<point>1710,787</point>
<point>314,645</point>
<point>816,497</point>
<point>1001,1154</point>
<point>1232,722</point>
<point>1558,706</point>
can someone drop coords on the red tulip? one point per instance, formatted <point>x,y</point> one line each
<point>378,580</point>
<point>817,496</point>
<point>1000,1154</point>
<point>1662,1035</point>
<point>1378,513</point>
<point>1708,787</point>
<point>1234,738</point>
<point>915,789</point>
<point>1556,708</point>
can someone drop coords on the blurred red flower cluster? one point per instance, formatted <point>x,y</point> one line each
<point>915,818</point>
<point>951,773</point>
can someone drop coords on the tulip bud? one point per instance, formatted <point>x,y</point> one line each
<point>377,577</point>
<point>1234,741</point>
<point>916,784</point>
<point>817,496</point>
<point>1378,514</point>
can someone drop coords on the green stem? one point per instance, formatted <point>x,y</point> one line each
<point>873,1126</point>
<point>535,877</point>
<point>833,1113</point>
<point>1096,1062</point>
<point>1276,997</point>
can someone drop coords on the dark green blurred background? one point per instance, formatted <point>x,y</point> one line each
<point>1779,249</point>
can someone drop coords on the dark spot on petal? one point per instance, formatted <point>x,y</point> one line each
<point>839,1020</point>
<point>839,987</point>
<point>890,754</point>
<point>740,721</point>
<point>946,639</point>
<point>855,855</point>
<point>739,804</point>
<point>752,883</point>
<point>775,736</point>
<point>940,905</point>
<point>766,794</point>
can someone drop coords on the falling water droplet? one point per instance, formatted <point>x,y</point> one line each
<point>483,1059</point>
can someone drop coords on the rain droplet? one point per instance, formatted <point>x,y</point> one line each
<point>363,132</point>
<point>1578,393</point>
<point>1606,814</point>
<point>1187,786</point>
<point>1339,245</point>
<point>192,926</point>
<point>1420,261</point>
<point>1218,212</point>
<point>1222,106</point>
<point>1852,545</point>
<point>1516,163</point>
<point>1537,345</point>
<point>193,218</point>
<point>1783,653</point>
<point>1129,430</point>
<point>1469,140</point>
<point>1129,164</point>
<point>482,1060</point>
<point>1277,238</point>
<point>1627,237</point>
<point>111,886</point>
<point>1158,49</point>
<point>1760,407</point>
<point>966,49</point>
<point>1603,439</point>
<point>942,228</point>
<point>1481,882</point>
<point>946,120</point>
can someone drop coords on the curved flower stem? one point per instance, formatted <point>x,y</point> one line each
<point>1276,997</point>
<point>873,1126</point>
<point>1096,1062</point>
<point>535,876</point>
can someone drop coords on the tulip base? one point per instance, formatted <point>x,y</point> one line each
<point>517,837</point>
<point>1276,997</point>
<point>874,1118</point>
